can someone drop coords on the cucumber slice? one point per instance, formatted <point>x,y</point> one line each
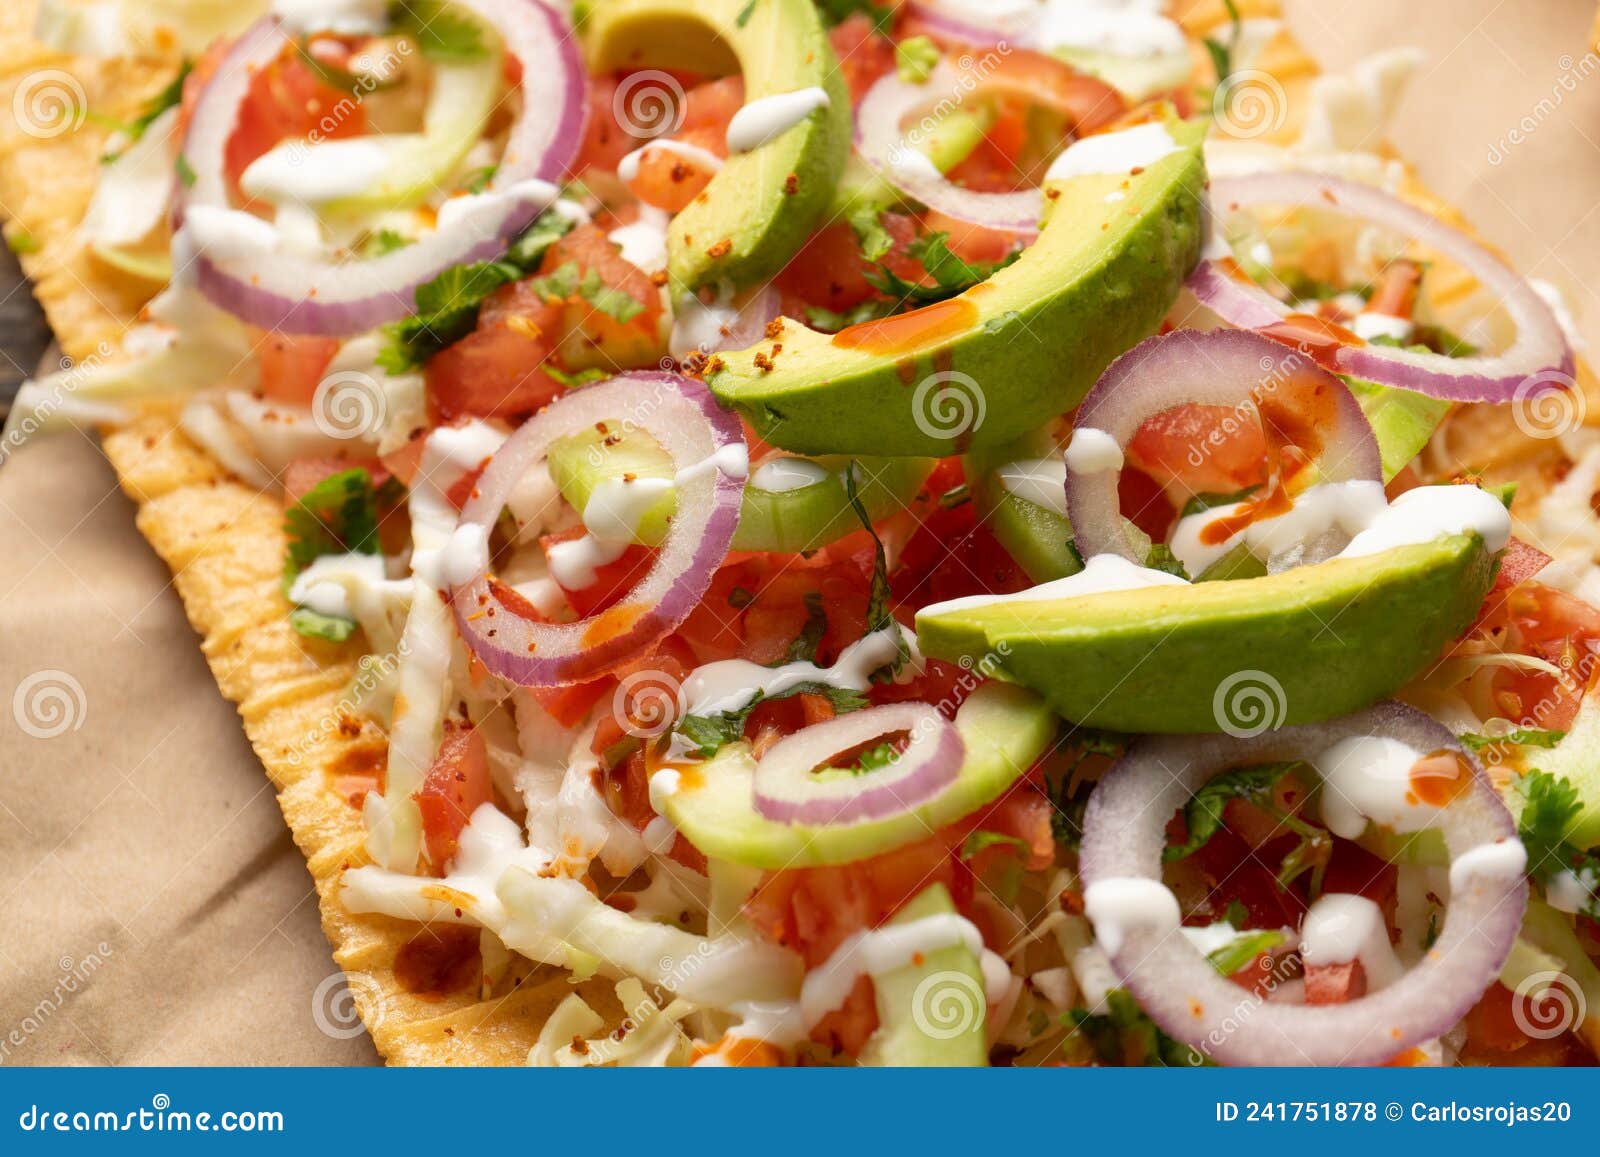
<point>1238,563</point>
<point>1005,730</point>
<point>933,1013</point>
<point>1036,537</point>
<point>804,518</point>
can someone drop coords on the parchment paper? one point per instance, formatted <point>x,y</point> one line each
<point>153,908</point>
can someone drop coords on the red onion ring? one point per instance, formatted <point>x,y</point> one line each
<point>1217,368</point>
<point>881,141</point>
<point>1124,831</point>
<point>680,414</point>
<point>787,792</point>
<point>935,21</point>
<point>1540,348</point>
<point>299,294</point>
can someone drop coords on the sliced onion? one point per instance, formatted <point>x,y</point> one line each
<point>680,414</point>
<point>884,145</point>
<point>787,790</point>
<point>1217,368</point>
<point>276,288</point>
<point>1124,831</point>
<point>934,19</point>
<point>1540,348</point>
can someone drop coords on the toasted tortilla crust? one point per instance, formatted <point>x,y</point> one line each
<point>224,543</point>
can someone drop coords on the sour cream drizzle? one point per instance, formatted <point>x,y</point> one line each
<point>1041,481</point>
<point>770,117</point>
<point>732,684</point>
<point>1102,574</point>
<point>1125,904</point>
<point>628,167</point>
<point>1113,153</point>
<point>1340,928</point>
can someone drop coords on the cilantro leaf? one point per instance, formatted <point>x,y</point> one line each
<point>709,734</point>
<point>804,646</point>
<point>1202,815</point>
<point>169,97</point>
<point>875,241</point>
<point>1222,54</point>
<point>447,309</point>
<point>1231,957</point>
<point>1069,796</point>
<point>1516,737</point>
<point>441,32</point>
<point>337,515</point>
<point>951,274</point>
<point>1162,559</point>
<point>1201,503</point>
<point>879,616</point>
<point>384,241</point>
<point>838,11</point>
<point>1550,804</point>
<point>1125,1035</point>
<point>829,321</point>
<point>548,228</point>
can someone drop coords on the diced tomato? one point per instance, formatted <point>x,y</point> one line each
<point>292,366</point>
<point>570,705</point>
<point>605,141</point>
<point>588,335</point>
<point>1396,291</point>
<point>1352,870</point>
<point>1518,563</point>
<point>1230,873</point>
<point>711,105</point>
<point>864,53</point>
<point>830,271</point>
<point>497,369</point>
<point>1539,620</point>
<point>671,180</point>
<point>612,580</point>
<point>303,474</point>
<point>1145,504</point>
<point>1335,983</point>
<point>288,100</point>
<point>455,786</point>
<point>1201,449</point>
<point>970,242</point>
<point>953,555</point>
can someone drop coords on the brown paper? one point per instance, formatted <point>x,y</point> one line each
<point>156,911</point>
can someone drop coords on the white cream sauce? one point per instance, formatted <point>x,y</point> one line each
<point>299,173</point>
<point>770,117</point>
<point>1340,928</point>
<point>1093,451</point>
<point>1113,153</point>
<point>1041,481</point>
<point>731,684</point>
<point>781,475</point>
<point>1497,861</point>
<point>1122,905</point>
<point>1368,777</point>
<point>1102,574</point>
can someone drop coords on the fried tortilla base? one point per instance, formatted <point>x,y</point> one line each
<point>225,545</point>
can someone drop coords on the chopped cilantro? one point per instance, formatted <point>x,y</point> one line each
<point>1162,559</point>
<point>711,733</point>
<point>874,758</point>
<point>185,171</point>
<point>1231,957</point>
<point>1124,1035</point>
<point>565,282</point>
<point>745,13</point>
<point>341,79</point>
<point>384,241</point>
<point>1516,737</point>
<point>337,515</point>
<point>875,241</point>
<point>441,31</point>
<point>447,309</point>
<point>951,274</point>
<point>1550,804</point>
<point>548,228</point>
<point>1222,54</point>
<point>828,321</point>
<point>838,11</point>
<point>879,617</point>
<point>804,645</point>
<point>1255,784</point>
<point>1068,797</point>
<point>915,58</point>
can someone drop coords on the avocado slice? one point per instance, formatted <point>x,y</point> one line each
<point>1334,637</point>
<point>1004,728</point>
<point>799,519</point>
<point>762,205</point>
<point>1029,341</point>
<point>1402,421</point>
<point>931,1014</point>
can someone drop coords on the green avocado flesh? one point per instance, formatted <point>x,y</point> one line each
<point>930,1013</point>
<point>1005,730</point>
<point>792,521</point>
<point>1334,637</point>
<point>1029,341</point>
<point>762,205</point>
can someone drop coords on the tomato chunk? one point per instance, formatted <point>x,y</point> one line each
<point>455,786</point>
